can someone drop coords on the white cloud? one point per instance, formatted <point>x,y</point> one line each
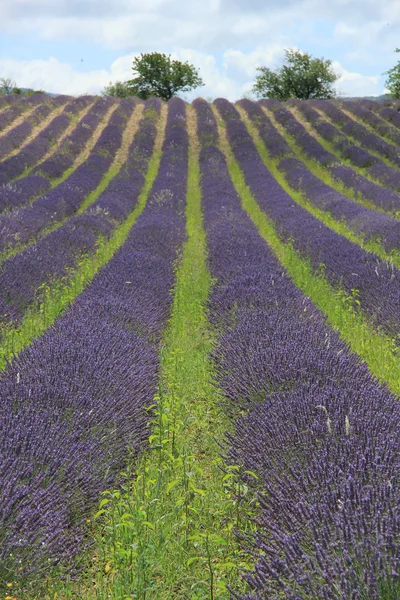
<point>54,76</point>
<point>232,79</point>
<point>356,84</point>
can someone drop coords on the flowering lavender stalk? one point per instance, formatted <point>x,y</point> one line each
<point>375,283</point>
<point>75,400</point>
<point>54,256</point>
<point>327,470</point>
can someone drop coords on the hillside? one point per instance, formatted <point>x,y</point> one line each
<point>199,324</point>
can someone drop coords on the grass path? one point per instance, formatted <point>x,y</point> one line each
<point>380,352</point>
<point>56,298</point>
<point>169,532</point>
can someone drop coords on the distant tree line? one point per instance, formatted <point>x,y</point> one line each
<point>156,74</point>
<point>300,76</point>
<point>9,86</point>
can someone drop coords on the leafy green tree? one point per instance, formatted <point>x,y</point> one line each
<point>158,75</point>
<point>301,76</point>
<point>393,79</point>
<point>120,89</point>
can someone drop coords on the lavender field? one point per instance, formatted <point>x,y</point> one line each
<point>199,349</point>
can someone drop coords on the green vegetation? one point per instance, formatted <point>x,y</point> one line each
<point>301,76</point>
<point>158,75</point>
<point>119,89</point>
<point>168,533</point>
<point>393,79</point>
<point>379,351</point>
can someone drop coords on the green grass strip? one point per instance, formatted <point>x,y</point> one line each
<point>169,532</point>
<point>377,350</point>
<point>340,227</point>
<point>57,297</point>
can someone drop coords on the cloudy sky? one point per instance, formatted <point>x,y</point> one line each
<point>79,46</point>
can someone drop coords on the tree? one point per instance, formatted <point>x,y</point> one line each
<point>158,75</point>
<point>7,85</point>
<point>301,76</point>
<point>120,89</point>
<point>393,80</point>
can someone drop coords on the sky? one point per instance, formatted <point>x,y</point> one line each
<point>79,46</point>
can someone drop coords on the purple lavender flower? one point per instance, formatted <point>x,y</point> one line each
<point>56,254</point>
<point>316,428</point>
<point>76,399</point>
<point>345,264</point>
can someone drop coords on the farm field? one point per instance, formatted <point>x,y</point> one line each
<point>199,349</point>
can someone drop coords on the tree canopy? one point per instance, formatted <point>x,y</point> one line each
<point>301,76</point>
<point>393,79</point>
<point>158,75</point>
<point>120,89</point>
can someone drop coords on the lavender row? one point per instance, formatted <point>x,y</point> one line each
<point>26,224</point>
<point>370,224</point>
<point>376,194</point>
<point>388,111</point>
<point>368,116</point>
<point>16,136</point>
<point>74,403</point>
<point>20,192</point>
<point>358,156</point>
<point>57,254</point>
<point>328,495</point>
<point>19,106</point>
<point>29,155</point>
<point>375,282</point>
<point>54,166</point>
<point>359,132</point>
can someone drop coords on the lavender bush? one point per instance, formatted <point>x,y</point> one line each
<point>54,166</point>
<point>26,224</point>
<point>75,401</point>
<point>376,194</point>
<point>55,255</point>
<point>368,116</point>
<point>359,132</point>
<point>375,283</point>
<point>311,422</point>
